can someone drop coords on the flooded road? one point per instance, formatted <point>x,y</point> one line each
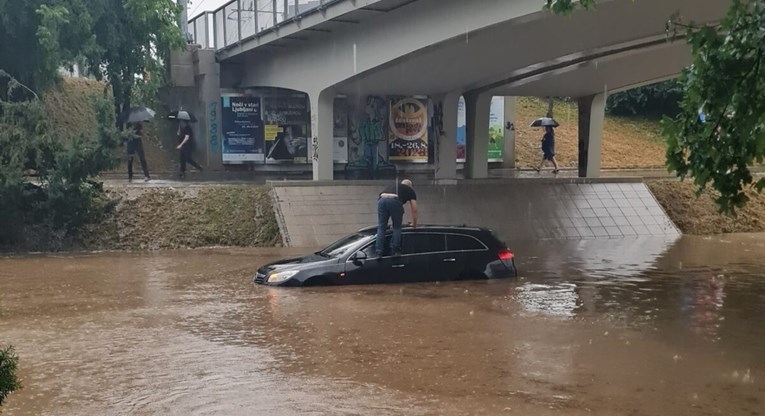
<point>614,327</point>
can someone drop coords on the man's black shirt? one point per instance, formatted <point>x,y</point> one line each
<point>405,193</point>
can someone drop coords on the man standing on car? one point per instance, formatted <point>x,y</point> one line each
<point>390,204</point>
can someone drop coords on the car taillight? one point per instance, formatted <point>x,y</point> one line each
<point>505,254</point>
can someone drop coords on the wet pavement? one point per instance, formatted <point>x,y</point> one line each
<point>615,327</point>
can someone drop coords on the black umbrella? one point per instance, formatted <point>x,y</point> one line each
<point>182,115</point>
<point>544,122</point>
<point>139,115</point>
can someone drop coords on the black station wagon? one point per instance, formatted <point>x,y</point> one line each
<point>429,253</point>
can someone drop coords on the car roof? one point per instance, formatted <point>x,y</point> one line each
<point>428,227</point>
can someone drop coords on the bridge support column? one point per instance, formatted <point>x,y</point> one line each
<point>592,111</point>
<point>477,107</point>
<point>508,153</point>
<point>446,147</point>
<point>320,148</point>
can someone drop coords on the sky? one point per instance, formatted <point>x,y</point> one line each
<point>196,7</point>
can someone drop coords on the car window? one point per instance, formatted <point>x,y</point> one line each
<point>415,243</point>
<point>343,245</point>
<point>369,249</point>
<point>456,242</point>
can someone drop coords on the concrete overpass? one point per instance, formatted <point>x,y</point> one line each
<point>444,49</point>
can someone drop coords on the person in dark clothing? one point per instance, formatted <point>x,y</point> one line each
<point>186,146</point>
<point>548,149</point>
<point>390,204</point>
<point>135,147</point>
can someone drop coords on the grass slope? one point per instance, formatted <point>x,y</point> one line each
<point>167,218</point>
<point>627,142</point>
<point>71,111</point>
<point>699,215</point>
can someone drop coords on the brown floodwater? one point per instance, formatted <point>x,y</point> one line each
<point>616,327</point>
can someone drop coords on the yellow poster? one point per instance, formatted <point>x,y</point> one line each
<point>272,130</point>
<point>408,129</point>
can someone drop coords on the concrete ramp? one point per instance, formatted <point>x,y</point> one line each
<point>313,214</point>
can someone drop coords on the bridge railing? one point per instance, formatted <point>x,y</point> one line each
<point>239,20</point>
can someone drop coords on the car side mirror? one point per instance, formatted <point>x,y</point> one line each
<point>358,256</point>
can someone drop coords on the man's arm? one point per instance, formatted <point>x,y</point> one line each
<point>413,204</point>
<point>185,140</point>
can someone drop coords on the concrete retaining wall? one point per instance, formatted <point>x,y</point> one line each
<point>314,214</point>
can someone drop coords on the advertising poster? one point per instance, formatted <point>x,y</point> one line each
<point>496,130</point>
<point>408,129</point>
<point>243,135</point>
<point>340,130</point>
<point>461,131</point>
<point>367,133</point>
<point>286,118</point>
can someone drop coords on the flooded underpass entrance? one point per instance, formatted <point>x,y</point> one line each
<point>600,327</point>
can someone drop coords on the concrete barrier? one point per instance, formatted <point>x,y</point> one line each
<point>313,214</point>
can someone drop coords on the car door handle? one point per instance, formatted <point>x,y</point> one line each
<point>450,260</point>
<point>397,266</point>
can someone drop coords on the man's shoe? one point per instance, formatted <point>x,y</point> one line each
<point>397,253</point>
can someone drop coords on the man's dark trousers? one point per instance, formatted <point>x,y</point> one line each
<point>393,209</point>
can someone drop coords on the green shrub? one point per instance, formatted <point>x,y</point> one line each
<point>654,100</point>
<point>46,189</point>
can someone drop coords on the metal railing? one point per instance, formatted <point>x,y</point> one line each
<point>239,20</point>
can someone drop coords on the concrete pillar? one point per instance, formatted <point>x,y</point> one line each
<point>446,156</point>
<point>320,148</point>
<point>207,75</point>
<point>477,107</point>
<point>508,153</point>
<point>592,111</point>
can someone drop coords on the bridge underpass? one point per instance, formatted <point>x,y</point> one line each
<point>447,48</point>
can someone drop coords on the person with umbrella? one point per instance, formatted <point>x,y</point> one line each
<point>185,140</point>
<point>135,120</point>
<point>548,142</point>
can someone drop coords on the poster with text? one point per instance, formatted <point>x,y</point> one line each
<point>285,114</point>
<point>408,129</point>
<point>243,139</point>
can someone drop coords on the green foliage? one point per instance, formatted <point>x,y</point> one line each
<point>565,7</point>
<point>61,198</point>
<point>133,40</point>
<point>37,37</point>
<point>9,382</point>
<point>648,101</point>
<point>727,82</point>
<point>120,41</point>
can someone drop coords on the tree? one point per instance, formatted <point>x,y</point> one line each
<point>38,36</point>
<point>132,42</point>
<point>726,82</point>
<point>9,382</point>
<point>121,41</point>
<point>43,213</point>
<point>653,100</point>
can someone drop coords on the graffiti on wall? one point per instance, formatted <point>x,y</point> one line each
<point>212,112</point>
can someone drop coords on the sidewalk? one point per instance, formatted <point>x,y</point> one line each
<point>207,178</point>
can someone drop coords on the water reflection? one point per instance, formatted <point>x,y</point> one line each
<point>624,327</point>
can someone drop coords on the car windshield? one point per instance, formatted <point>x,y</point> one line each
<point>341,246</point>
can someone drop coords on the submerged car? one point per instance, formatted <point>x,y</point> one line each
<point>429,253</point>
